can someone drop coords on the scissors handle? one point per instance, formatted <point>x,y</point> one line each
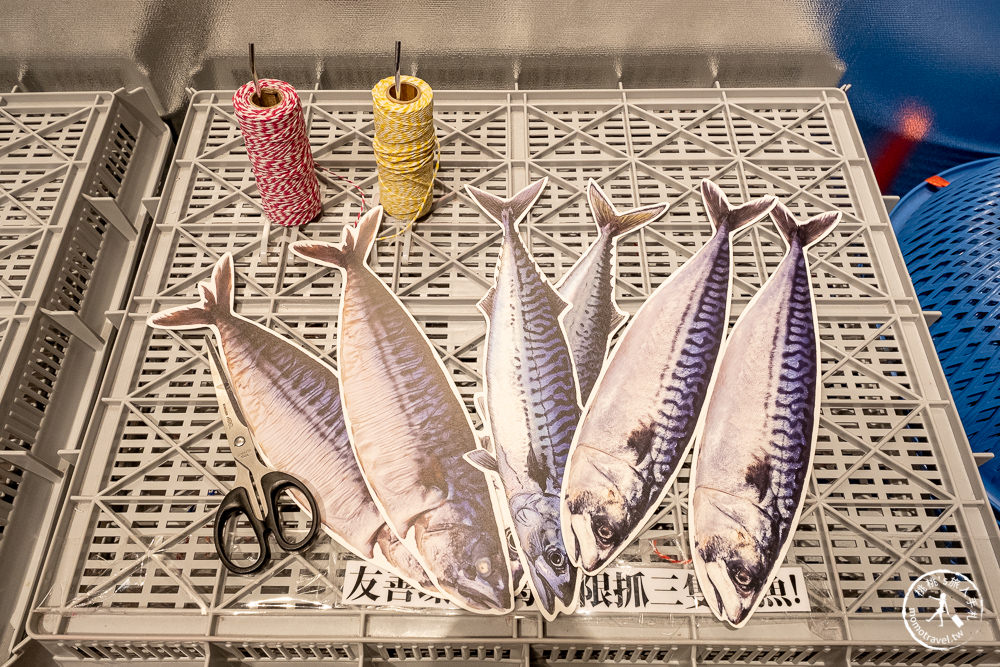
<point>273,484</point>
<point>236,503</point>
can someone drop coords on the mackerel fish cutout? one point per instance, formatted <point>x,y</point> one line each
<point>589,286</point>
<point>410,429</point>
<point>292,403</point>
<point>638,425</point>
<point>532,403</point>
<point>752,462</point>
<point>485,442</point>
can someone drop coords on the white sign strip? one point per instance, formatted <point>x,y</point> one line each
<point>624,590</point>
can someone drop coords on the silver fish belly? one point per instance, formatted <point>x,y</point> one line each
<point>752,463</point>
<point>410,430</point>
<point>638,425</point>
<point>533,406</point>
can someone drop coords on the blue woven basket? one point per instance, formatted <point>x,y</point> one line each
<point>951,240</point>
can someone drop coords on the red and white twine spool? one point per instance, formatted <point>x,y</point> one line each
<point>278,147</point>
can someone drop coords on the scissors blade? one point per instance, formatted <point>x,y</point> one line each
<point>223,388</point>
<point>238,434</point>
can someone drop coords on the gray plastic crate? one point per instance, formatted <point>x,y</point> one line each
<point>894,492</point>
<point>74,169</point>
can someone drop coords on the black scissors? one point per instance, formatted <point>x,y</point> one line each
<point>258,488</point>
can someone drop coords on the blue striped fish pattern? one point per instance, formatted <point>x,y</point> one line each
<point>752,463</point>
<point>638,424</point>
<point>292,402</point>
<point>594,317</point>
<point>532,403</point>
<point>410,429</point>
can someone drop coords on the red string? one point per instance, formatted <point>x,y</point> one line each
<point>278,149</point>
<point>364,202</point>
<point>667,558</point>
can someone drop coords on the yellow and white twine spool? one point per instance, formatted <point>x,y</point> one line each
<point>406,148</point>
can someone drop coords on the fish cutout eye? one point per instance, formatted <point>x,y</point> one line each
<point>603,532</point>
<point>742,577</point>
<point>484,567</point>
<point>555,558</point>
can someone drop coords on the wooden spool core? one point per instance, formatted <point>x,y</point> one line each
<point>407,93</point>
<point>269,97</point>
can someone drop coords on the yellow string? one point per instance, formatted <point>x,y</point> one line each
<point>406,151</point>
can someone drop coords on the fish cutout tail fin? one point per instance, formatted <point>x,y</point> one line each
<point>610,222</point>
<point>354,247</point>
<point>730,218</point>
<point>216,302</point>
<point>810,231</point>
<point>507,212</point>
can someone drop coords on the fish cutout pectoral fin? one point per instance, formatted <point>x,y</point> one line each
<point>426,498</point>
<point>479,400</point>
<point>482,459</point>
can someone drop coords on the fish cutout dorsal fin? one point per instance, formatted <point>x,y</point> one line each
<point>486,303</point>
<point>482,459</point>
<point>559,304</point>
<point>507,212</point>
<point>613,224</point>
<point>216,302</point>
<point>810,231</point>
<point>618,319</point>
<point>354,247</point>
<point>729,218</point>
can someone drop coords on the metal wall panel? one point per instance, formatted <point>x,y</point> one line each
<point>170,45</point>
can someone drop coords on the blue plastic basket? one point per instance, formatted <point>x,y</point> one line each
<point>951,240</point>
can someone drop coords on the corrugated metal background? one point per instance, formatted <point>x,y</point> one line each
<point>169,45</point>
